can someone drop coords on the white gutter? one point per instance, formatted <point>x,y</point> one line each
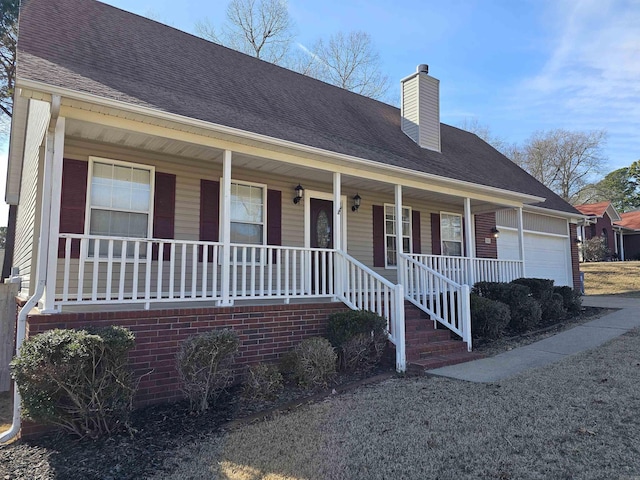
<point>41,270</point>
<point>172,117</point>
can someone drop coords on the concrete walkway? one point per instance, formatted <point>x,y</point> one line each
<point>552,349</point>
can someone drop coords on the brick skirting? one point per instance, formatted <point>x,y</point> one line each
<point>265,332</point>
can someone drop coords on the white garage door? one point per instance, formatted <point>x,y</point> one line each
<point>544,256</point>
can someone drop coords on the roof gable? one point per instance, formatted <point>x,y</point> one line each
<point>630,220</point>
<point>599,209</point>
<point>94,48</point>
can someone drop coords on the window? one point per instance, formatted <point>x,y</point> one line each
<point>119,202</point>
<point>451,234</point>
<point>248,213</point>
<point>390,233</point>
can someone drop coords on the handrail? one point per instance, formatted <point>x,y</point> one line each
<point>445,300</point>
<point>361,288</point>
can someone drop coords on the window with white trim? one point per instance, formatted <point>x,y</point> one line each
<point>119,201</point>
<point>248,214</point>
<point>390,233</point>
<point>451,234</point>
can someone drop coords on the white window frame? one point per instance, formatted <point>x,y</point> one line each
<point>88,208</point>
<point>442,239</point>
<point>393,208</point>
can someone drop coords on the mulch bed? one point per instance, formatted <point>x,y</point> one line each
<point>158,430</point>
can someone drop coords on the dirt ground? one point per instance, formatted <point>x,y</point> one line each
<point>6,410</point>
<point>612,278</point>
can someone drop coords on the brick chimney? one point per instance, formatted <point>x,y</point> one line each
<point>420,108</point>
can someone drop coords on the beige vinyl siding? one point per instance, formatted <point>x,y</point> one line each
<point>532,222</point>
<point>410,108</point>
<point>429,104</point>
<point>28,215</point>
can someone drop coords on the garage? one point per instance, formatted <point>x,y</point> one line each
<point>546,256</point>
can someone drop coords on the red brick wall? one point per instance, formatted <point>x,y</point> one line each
<point>484,224</point>
<point>575,262</point>
<point>266,332</point>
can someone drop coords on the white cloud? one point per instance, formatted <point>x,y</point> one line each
<point>591,79</point>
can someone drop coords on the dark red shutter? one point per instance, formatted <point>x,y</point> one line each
<point>436,248</point>
<point>164,211</point>
<point>415,232</point>
<point>274,219</point>
<point>73,202</point>
<point>209,213</point>
<point>378,236</point>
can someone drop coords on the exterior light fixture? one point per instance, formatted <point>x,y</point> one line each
<point>299,192</point>
<point>577,241</point>
<point>356,203</point>
<point>495,232</point>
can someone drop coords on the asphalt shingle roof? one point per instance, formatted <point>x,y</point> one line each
<point>94,48</point>
<point>597,209</point>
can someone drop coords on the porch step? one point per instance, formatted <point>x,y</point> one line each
<point>428,347</point>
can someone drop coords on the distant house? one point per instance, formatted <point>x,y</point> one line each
<point>600,222</point>
<point>172,185</point>
<point>629,225</point>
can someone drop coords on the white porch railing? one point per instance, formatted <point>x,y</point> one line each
<point>445,300</point>
<point>361,288</point>
<point>467,271</point>
<point>147,271</point>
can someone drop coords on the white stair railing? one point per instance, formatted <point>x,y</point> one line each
<point>445,300</point>
<point>360,288</point>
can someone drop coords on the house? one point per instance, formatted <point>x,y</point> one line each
<point>600,221</point>
<point>629,225</point>
<point>172,185</point>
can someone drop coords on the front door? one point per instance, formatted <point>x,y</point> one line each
<point>321,233</point>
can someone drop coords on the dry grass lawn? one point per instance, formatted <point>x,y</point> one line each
<point>577,419</point>
<point>612,278</point>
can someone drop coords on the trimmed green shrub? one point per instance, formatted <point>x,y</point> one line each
<point>263,380</point>
<point>311,363</point>
<point>204,363</point>
<point>489,318</point>
<point>542,290</point>
<point>525,310</point>
<point>359,337</point>
<point>571,300</point>
<point>77,379</point>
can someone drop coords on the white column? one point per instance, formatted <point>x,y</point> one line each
<point>621,245</point>
<point>53,167</point>
<point>225,229</point>
<point>337,212</point>
<point>398,207</point>
<point>521,240</point>
<point>469,242</point>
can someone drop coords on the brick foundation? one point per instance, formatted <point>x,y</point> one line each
<point>266,332</point>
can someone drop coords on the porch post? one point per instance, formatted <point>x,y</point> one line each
<point>469,243</point>
<point>55,169</point>
<point>225,230</point>
<point>338,279</point>
<point>398,207</point>
<point>521,240</point>
<point>621,245</point>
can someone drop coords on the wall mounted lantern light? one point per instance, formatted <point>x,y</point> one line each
<point>495,232</point>
<point>299,192</point>
<point>356,203</point>
<point>577,241</point>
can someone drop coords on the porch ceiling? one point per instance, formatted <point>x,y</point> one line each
<point>129,139</point>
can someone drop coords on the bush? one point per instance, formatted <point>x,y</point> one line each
<point>525,311</point>
<point>571,300</point>
<point>311,363</point>
<point>263,380</point>
<point>542,290</point>
<point>489,318</point>
<point>204,363</point>
<point>595,250</point>
<point>359,338</point>
<point>77,379</point>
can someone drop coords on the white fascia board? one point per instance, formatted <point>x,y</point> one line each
<point>172,117</point>
<point>613,213</point>
<point>16,148</point>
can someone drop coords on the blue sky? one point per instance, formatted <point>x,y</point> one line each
<point>516,66</point>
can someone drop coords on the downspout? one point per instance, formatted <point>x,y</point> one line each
<point>41,271</point>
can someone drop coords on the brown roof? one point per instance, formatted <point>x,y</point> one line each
<point>91,47</point>
<point>597,209</point>
<point>630,220</point>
